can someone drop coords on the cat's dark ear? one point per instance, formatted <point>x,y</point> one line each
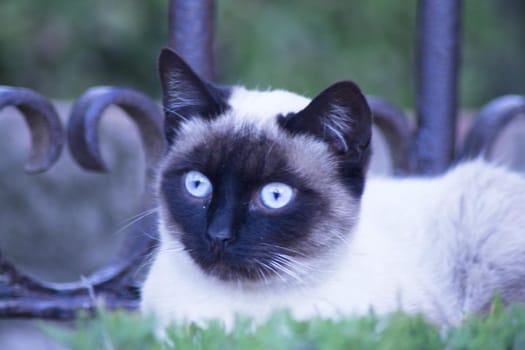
<point>339,116</point>
<point>185,95</point>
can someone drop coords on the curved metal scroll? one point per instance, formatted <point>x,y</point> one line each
<point>23,296</point>
<point>394,125</point>
<point>83,143</point>
<point>82,131</point>
<point>114,286</point>
<point>47,136</point>
<point>490,121</point>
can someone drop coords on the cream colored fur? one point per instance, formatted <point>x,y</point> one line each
<point>440,246</point>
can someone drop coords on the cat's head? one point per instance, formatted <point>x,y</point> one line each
<point>260,185</point>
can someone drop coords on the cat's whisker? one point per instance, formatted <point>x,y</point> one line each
<point>276,271</point>
<point>173,249</point>
<point>284,249</point>
<point>148,260</point>
<point>140,215</point>
<point>136,218</point>
<point>153,237</point>
<point>298,273</point>
<point>282,258</point>
<point>170,246</point>
<point>293,262</point>
<point>278,264</point>
<point>261,271</point>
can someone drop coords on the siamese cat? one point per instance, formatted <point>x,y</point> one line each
<point>264,205</point>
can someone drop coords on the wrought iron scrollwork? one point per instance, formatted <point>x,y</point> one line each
<point>21,295</point>
<point>82,132</point>
<point>47,136</point>
<point>393,124</point>
<point>115,285</point>
<point>489,123</point>
<point>485,131</point>
<point>24,296</point>
<point>83,143</point>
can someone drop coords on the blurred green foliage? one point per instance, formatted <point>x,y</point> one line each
<point>503,328</point>
<point>61,47</point>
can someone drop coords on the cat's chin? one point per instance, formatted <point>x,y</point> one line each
<point>255,272</point>
<point>225,272</point>
<point>255,281</point>
<point>230,268</point>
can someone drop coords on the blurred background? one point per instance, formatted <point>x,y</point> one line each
<point>61,47</point>
<point>68,222</point>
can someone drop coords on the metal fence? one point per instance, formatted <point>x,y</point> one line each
<point>426,149</point>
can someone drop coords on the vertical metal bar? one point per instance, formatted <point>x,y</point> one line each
<point>191,24</point>
<point>438,56</point>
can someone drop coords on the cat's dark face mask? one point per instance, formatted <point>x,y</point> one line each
<point>242,210</point>
<point>239,203</point>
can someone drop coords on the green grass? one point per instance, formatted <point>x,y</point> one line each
<point>502,328</point>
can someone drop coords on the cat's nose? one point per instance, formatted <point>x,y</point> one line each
<point>222,235</point>
<point>219,228</point>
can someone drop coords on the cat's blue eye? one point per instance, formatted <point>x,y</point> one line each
<point>276,195</point>
<point>197,184</point>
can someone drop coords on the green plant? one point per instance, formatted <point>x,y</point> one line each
<point>502,328</point>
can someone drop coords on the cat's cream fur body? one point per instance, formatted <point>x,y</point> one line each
<point>441,246</point>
